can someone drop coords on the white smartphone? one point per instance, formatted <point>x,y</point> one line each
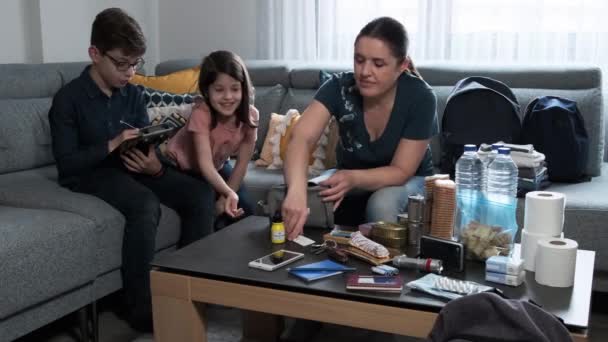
<point>275,260</point>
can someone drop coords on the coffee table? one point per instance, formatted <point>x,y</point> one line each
<point>215,271</point>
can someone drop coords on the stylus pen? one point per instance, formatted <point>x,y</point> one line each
<point>318,269</point>
<point>127,124</point>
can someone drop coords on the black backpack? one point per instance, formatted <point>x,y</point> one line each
<point>556,128</point>
<point>478,110</point>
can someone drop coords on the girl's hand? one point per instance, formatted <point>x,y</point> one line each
<point>294,212</point>
<point>219,205</point>
<point>231,205</point>
<point>339,184</point>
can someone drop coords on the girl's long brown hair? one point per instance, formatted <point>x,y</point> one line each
<point>230,64</point>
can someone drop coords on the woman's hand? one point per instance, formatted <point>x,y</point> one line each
<point>294,212</point>
<point>339,184</point>
<point>231,205</point>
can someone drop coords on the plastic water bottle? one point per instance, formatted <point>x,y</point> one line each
<point>492,155</point>
<point>469,187</point>
<point>469,170</point>
<point>486,163</point>
<point>502,177</point>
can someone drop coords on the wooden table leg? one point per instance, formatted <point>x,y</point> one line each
<point>176,316</point>
<point>260,326</point>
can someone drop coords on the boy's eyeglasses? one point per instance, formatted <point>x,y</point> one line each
<point>124,66</point>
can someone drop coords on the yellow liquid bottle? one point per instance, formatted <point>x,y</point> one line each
<point>277,229</point>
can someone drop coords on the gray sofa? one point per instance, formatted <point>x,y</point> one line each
<point>60,250</point>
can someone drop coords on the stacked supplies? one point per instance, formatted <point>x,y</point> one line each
<point>543,218</point>
<point>532,179</point>
<point>505,270</point>
<point>533,175</point>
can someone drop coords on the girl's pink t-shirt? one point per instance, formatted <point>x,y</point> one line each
<point>225,139</point>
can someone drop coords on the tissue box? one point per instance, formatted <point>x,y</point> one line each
<point>507,279</point>
<point>505,265</point>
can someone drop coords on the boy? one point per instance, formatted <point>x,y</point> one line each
<point>89,120</point>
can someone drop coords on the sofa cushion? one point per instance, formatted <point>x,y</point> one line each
<point>28,81</point>
<point>38,189</point>
<point>25,138</point>
<point>259,180</point>
<point>267,101</point>
<point>44,253</point>
<point>297,99</point>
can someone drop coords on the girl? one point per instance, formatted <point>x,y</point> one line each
<point>386,116</point>
<point>223,123</point>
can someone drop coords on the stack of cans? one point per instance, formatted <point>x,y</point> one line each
<point>415,224</point>
<point>390,235</point>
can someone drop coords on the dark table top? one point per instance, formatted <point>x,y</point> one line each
<point>225,256</point>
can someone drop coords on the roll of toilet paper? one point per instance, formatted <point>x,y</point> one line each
<point>556,262</point>
<point>529,246</point>
<point>544,212</point>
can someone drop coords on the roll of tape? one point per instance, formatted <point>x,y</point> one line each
<point>529,243</point>
<point>544,212</point>
<point>556,262</point>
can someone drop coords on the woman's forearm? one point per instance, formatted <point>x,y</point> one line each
<point>380,177</point>
<point>296,162</point>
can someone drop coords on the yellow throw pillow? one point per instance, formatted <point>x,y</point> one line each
<point>333,137</point>
<point>285,138</point>
<point>280,128</point>
<point>179,82</point>
<point>266,153</point>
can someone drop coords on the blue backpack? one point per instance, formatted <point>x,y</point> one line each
<point>556,128</point>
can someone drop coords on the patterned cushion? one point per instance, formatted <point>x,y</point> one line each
<point>159,98</point>
<point>175,119</point>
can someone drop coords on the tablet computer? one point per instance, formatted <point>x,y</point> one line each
<point>150,135</point>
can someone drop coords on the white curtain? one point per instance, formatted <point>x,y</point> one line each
<point>469,31</point>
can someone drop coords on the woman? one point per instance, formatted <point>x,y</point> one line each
<point>386,115</point>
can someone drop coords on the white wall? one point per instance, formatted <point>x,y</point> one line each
<point>45,31</point>
<point>37,31</point>
<point>66,26</point>
<point>20,32</point>
<point>194,28</point>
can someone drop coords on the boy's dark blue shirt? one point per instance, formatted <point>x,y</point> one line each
<point>83,120</point>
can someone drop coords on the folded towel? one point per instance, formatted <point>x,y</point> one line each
<point>533,159</point>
